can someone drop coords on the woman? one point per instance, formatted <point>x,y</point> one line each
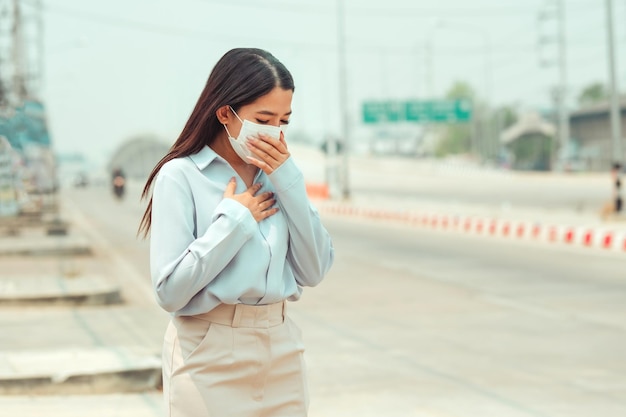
<point>232,237</point>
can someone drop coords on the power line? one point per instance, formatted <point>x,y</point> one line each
<point>420,12</point>
<point>356,47</point>
<point>265,5</point>
<point>218,37</point>
<point>129,24</point>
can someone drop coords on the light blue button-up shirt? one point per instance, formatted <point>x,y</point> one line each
<point>206,249</point>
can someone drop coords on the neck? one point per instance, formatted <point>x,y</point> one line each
<point>222,147</point>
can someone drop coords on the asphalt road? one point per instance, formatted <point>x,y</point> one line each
<point>427,324</point>
<point>411,322</point>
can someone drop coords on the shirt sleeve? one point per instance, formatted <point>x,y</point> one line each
<point>181,264</point>
<point>310,251</point>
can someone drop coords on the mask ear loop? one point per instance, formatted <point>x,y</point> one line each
<point>237,116</point>
<point>229,135</point>
<point>235,113</point>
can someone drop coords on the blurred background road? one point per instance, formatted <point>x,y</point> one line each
<point>409,322</point>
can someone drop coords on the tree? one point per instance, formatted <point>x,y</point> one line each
<point>456,138</point>
<point>499,119</point>
<point>532,152</point>
<point>461,90</point>
<point>593,93</point>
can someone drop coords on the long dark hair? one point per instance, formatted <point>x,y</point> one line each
<point>240,77</point>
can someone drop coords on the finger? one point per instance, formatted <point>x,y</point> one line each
<point>278,144</point>
<point>264,196</point>
<point>230,187</point>
<point>255,161</point>
<point>264,166</point>
<point>269,139</point>
<point>282,140</point>
<point>266,204</point>
<point>264,150</point>
<point>254,188</point>
<point>268,213</point>
<point>267,200</point>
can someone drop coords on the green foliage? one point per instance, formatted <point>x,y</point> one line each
<point>461,90</point>
<point>532,152</point>
<point>455,140</point>
<point>505,116</point>
<point>456,137</point>
<point>593,93</point>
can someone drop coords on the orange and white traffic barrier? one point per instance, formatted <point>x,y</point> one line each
<point>317,191</point>
<point>586,236</point>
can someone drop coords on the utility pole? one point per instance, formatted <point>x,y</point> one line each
<point>343,99</point>
<point>5,73</point>
<point>616,133</point>
<point>558,14</point>
<point>40,47</point>
<point>563,113</point>
<point>17,31</point>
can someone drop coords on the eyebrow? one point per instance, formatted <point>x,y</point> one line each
<point>269,113</point>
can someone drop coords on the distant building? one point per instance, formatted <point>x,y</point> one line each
<point>590,128</point>
<point>528,143</point>
<point>137,156</point>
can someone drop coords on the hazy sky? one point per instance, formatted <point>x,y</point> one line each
<point>120,68</point>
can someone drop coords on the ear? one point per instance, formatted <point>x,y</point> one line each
<point>223,114</point>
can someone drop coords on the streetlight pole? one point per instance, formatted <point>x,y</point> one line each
<point>562,96</point>
<point>343,99</point>
<point>614,93</point>
<point>18,55</point>
<point>40,48</point>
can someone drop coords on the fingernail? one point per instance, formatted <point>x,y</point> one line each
<point>251,138</point>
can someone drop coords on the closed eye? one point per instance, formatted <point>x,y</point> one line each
<point>284,122</point>
<point>263,122</point>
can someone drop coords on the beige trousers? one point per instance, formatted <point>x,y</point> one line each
<point>234,361</point>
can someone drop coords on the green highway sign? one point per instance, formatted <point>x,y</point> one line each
<point>384,111</point>
<point>419,111</point>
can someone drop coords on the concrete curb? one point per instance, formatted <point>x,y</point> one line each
<point>55,290</point>
<point>44,245</point>
<point>79,371</point>
<point>591,236</point>
<point>145,404</point>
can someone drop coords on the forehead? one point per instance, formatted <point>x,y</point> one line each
<point>276,101</point>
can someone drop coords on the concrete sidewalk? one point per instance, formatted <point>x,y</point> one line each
<point>58,290</point>
<point>78,371</point>
<point>66,331</point>
<point>30,245</point>
<point>105,405</point>
<point>66,350</point>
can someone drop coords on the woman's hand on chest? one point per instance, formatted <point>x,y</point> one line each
<point>261,206</point>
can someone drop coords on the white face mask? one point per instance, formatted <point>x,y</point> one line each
<point>250,129</point>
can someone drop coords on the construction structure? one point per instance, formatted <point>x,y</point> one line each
<point>23,121</point>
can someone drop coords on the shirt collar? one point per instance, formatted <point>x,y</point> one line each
<point>203,158</point>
